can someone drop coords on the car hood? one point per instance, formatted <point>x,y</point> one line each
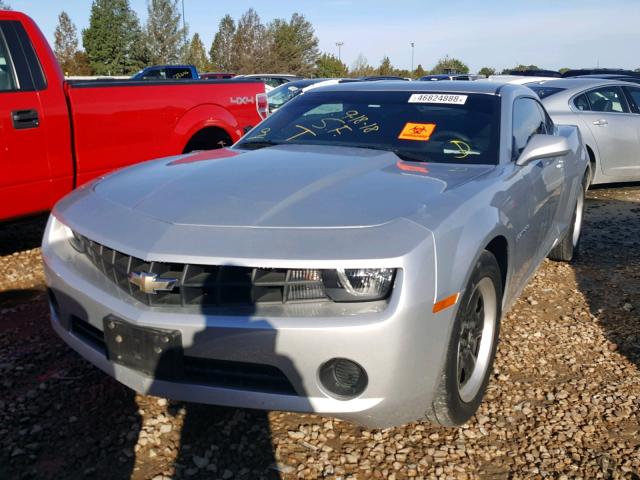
<point>293,186</point>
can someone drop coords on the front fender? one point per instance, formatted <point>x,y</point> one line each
<point>459,247</point>
<point>203,116</point>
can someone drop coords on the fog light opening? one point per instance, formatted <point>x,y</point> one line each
<point>342,378</point>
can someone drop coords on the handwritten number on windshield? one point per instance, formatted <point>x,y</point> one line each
<point>337,126</point>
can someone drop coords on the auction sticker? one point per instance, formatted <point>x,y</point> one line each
<point>417,131</point>
<point>438,98</point>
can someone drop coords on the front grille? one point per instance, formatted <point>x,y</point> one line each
<point>253,377</point>
<point>208,285</point>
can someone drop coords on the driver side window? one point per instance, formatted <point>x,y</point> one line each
<point>528,121</point>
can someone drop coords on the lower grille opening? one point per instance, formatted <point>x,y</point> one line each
<point>88,333</point>
<point>238,375</point>
<point>53,301</point>
<point>204,371</point>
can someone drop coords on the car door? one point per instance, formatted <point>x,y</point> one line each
<point>25,182</point>
<point>633,97</point>
<point>544,180</point>
<point>605,112</point>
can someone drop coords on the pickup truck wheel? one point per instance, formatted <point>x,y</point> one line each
<point>472,346</point>
<point>208,138</point>
<point>567,249</point>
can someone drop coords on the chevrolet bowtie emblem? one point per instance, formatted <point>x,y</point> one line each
<point>150,283</point>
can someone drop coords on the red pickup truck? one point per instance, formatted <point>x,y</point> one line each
<point>56,135</point>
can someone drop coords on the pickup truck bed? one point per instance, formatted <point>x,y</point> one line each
<point>117,123</point>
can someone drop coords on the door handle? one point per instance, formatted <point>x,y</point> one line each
<point>25,119</point>
<point>600,123</point>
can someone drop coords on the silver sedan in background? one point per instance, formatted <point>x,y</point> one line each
<point>351,255</point>
<point>608,115</point>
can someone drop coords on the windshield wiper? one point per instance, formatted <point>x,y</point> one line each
<point>255,145</point>
<point>403,155</point>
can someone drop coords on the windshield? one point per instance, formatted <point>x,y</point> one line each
<point>281,95</point>
<point>544,92</point>
<point>422,127</point>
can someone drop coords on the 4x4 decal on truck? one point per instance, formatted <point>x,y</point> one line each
<point>241,100</point>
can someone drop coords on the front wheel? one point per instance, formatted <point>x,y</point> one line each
<point>472,346</point>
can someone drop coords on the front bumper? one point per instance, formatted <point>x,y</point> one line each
<point>400,344</point>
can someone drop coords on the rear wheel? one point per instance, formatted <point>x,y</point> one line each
<point>472,346</point>
<point>208,138</point>
<point>568,247</point>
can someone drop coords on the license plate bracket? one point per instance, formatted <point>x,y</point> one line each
<point>155,352</point>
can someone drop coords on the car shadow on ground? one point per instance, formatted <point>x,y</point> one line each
<point>608,268</point>
<point>23,234</point>
<point>50,400</point>
<point>230,443</point>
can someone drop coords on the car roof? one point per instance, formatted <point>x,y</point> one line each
<point>274,75</point>
<point>580,82</point>
<point>304,82</point>
<point>446,86</point>
<point>170,65</point>
<point>516,79</point>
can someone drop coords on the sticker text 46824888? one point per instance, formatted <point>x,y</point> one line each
<point>438,98</point>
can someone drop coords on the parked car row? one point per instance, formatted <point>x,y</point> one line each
<point>190,72</point>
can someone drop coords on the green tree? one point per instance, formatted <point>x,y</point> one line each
<point>249,43</point>
<point>361,67</point>
<point>487,71</point>
<point>196,54</point>
<point>113,39</point>
<point>563,70</point>
<point>419,71</point>
<point>165,37</point>
<point>81,64</point>
<point>65,44</point>
<point>385,67</point>
<point>449,65</point>
<point>328,65</point>
<point>292,46</point>
<point>520,68</point>
<point>221,52</point>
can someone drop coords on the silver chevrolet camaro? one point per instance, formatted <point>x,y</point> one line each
<point>607,113</point>
<point>351,255</point>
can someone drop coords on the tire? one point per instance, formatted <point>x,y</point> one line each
<point>209,138</point>
<point>568,247</point>
<point>462,386</point>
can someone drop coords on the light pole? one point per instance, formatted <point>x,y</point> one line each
<point>339,45</point>
<point>412,47</point>
<point>184,26</point>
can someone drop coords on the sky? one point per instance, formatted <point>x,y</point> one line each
<point>498,33</point>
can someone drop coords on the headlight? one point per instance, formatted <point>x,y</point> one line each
<point>77,241</point>
<point>358,284</point>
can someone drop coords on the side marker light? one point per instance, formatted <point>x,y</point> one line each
<point>445,303</point>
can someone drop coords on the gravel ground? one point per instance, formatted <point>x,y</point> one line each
<point>563,402</point>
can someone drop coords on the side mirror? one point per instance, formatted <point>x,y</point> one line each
<point>543,146</point>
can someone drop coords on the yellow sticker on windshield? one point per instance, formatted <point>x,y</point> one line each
<point>417,131</point>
